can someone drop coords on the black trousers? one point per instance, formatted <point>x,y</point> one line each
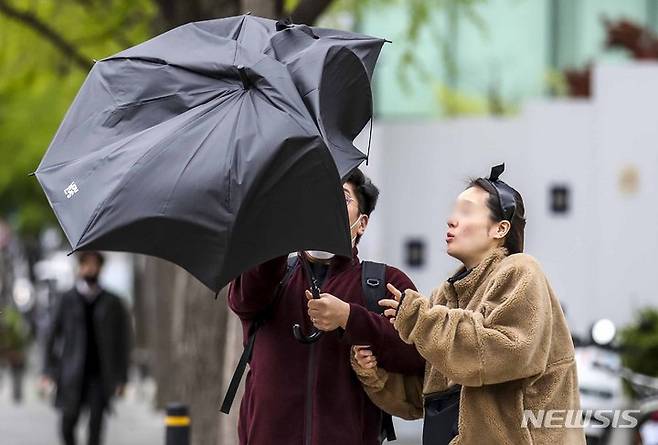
<point>93,400</point>
<point>17,382</point>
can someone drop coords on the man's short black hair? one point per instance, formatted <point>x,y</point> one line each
<point>83,255</point>
<point>366,193</point>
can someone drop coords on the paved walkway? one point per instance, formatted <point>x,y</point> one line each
<point>35,421</point>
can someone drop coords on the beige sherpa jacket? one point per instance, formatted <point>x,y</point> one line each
<point>499,332</point>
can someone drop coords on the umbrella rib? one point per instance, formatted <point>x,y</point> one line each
<point>164,62</point>
<point>238,31</point>
<point>166,96</point>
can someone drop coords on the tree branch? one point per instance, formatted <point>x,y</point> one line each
<point>308,11</point>
<point>32,21</point>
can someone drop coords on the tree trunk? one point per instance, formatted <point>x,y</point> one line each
<point>198,334</point>
<point>185,331</point>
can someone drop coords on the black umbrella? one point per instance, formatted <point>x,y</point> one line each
<point>217,145</point>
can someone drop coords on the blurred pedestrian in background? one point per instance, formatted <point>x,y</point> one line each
<point>87,350</point>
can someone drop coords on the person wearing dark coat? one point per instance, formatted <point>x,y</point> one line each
<point>307,394</point>
<point>87,351</point>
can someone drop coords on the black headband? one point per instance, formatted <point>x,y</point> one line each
<point>505,192</point>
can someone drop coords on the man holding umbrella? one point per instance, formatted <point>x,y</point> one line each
<point>300,393</point>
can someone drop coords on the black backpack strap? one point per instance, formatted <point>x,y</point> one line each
<point>249,347</point>
<point>239,370</point>
<point>373,283</point>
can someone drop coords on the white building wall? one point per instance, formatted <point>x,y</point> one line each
<point>626,137</point>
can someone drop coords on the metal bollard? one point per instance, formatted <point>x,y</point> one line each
<point>178,425</point>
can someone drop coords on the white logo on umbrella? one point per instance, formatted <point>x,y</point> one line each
<point>71,190</point>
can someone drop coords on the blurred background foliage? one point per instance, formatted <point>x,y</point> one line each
<point>639,343</point>
<point>46,48</point>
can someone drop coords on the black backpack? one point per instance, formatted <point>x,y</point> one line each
<point>373,283</point>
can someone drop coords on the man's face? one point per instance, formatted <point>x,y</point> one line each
<point>89,268</point>
<point>353,212</point>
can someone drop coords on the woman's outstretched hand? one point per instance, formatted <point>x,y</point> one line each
<point>364,357</point>
<point>391,305</point>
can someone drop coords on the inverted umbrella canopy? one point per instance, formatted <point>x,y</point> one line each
<point>331,69</point>
<point>208,152</point>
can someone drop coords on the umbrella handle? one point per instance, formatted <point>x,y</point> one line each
<point>297,329</point>
<point>306,339</point>
<point>315,290</point>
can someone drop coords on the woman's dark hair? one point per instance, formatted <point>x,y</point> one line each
<point>366,193</point>
<point>514,239</point>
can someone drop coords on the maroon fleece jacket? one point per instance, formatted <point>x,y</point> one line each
<point>299,394</point>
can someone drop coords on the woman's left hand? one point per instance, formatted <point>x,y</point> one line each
<point>392,305</point>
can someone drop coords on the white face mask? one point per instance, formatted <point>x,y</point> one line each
<point>322,255</point>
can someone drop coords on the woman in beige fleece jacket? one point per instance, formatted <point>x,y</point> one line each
<point>495,328</point>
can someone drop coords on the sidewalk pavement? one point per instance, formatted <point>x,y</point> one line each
<point>36,422</point>
<point>134,422</point>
